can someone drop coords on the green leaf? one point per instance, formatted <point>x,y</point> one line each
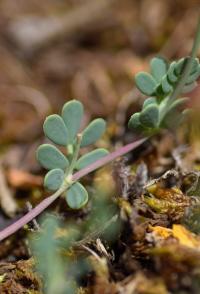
<point>179,102</point>
<point>172,119</point>
<point>189,88</point>
<point>50,264</point>
<point>159,92</point>
<point>171,73</point>
<point>50,157</point>
<point>195,64</point>
<point>93,132</point>
<point>145,83</point>
<point>193,77</point>
<point>158,68</point>
<point>76,196</point>
<point>54,179</point>
<point>91,157</point>
<point>166,86</point>
<point>149,101</point>
<point>149,117</point>
<point>134,122</point>
<point>55,129</point>
<point>179,66</point>
<point>173,109</point>
<point>72,114</point>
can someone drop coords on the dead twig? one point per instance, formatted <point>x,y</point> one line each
<point>8,204</point>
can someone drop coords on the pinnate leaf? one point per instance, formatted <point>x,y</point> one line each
<point>149,101</point>
<point>166,86</point>
<point>189,88</point>
<point>182,62</point>
<point>149,117</point>
<point>145,83</point>
<point>55,129</point>
<point>179,102</point>
<point>50,157</point>
<point>179,66</point>
<point>76,196</point>
<point>72,114</point>
<point>93,132</point>
<point>158,68</point>
<point>91,157</point>
<point>134,122</point>
<point>54,179</point>
<point>193,77</point>
<point>171,73</point>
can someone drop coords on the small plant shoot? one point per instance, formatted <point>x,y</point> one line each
<point>65,131</point>
<point>159,110</point>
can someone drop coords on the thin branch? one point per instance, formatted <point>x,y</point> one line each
<point>49,200</point>
<point>7,201</point>
<point>29,216</point>
<point>108,158</point>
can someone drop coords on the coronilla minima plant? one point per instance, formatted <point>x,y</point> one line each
<point>165,86</point>
<point>159,110</point>
<point>64,130</point>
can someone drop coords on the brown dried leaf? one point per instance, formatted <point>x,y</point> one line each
<point>22,179</point>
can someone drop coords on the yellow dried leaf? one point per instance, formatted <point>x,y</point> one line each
<point>161,232</point>
<point>185,237</point>
<point>2,277</point>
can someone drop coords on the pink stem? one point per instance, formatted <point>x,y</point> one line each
<point>47,201</point>
<point>108,158</point>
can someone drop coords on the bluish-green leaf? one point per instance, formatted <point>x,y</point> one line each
<point>193,77</point>
<point>173,109</point>
<point>93,132</point>
<point>50,157</point>
<point>145,83</point>
<point>91,157</point>
<point>54,179</point>
<point>166,86</point>
<point>171,73</point>
<point>55,129</point>
<point>195,64</point>
<point>179,66</point>
<point>149,117</point>
<point>182,62</point>
<point>189,88</point>
<point>148,101</point>
<point>179,102</point>
<point>134,122</point>
<point>158,68</point>
<point>76,196</point>
<point>72,114</point>
<point>159,92</point>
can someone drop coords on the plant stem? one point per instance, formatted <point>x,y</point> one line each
<point>30,215</point>
<point>108,158</point>
<point>186,72</point>
<point>188,65</point>
<point>74,156</point>
<point>46,202</point>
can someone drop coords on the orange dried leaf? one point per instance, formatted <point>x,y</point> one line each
<point>161,231</point>
<point>185,237</point>
<point>22,179</point>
